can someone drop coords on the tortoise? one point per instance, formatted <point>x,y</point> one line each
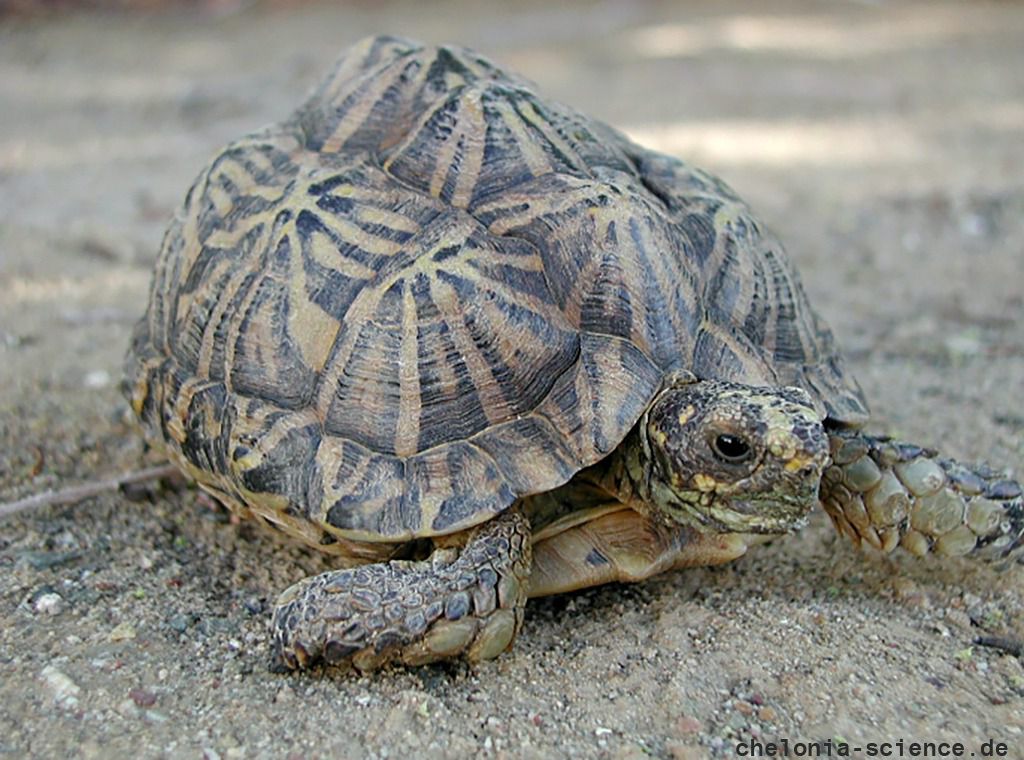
<point>483,348</point>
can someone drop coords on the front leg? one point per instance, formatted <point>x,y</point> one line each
<point>459,602</point>
<point>885,494</point>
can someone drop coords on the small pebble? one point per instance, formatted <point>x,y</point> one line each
<point>122,632</point>
<point>179,623</point>
<point>50,604</point>
<point>98,378</point>
<point>908,592</point>
<point>680,751</point>
<point>65,691</point>
<point>767,714</point>
<point>141,697</point>
<point>973,225</point>
<point>10,340</point>
<point>963,346</point>
<point>630,752</point>
<point>688,725</point>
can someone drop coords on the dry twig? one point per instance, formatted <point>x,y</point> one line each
<point>84,491</point>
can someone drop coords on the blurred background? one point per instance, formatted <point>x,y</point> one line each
<point>870,135</point>
<point>882,141</point>
<point>108,109</point>
<point>781,97</point>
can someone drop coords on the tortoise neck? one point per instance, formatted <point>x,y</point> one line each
<point>622,473</point>
<point>628,475</point>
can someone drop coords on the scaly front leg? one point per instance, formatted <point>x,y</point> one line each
<point>459,602</point>
<point>885,494</point>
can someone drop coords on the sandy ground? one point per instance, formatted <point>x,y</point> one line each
<point>882,141</point>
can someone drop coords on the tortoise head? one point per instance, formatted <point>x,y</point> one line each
<point>725,457</point>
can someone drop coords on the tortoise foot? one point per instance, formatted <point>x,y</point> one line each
<point>464,602</point>
<point>884,493</point>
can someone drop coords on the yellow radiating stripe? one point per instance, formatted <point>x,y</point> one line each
<point>530,114</point>
<point>351,232</point>
<point>386,218</point>
<point>531,262</point>
<point>496,406</point>
<point>407,434</point>
<point>364,194</point>
<point>353,62</point>
<point>229,238</point>
<point>221,199</point>
<point>443,161</point>
<point>454,235</point>
<point>245,183</point>
<point>535,158</point>
<point>755,371</point>
<point>234,329</point>
<point>577,191</point>
<point>677,284</point>
<point>326,253</point>
<point>585,394</point>
<point>223,300</point>
<point>352,320</point>
<point>414,134</point>
<point>511,295</point>
<point>259,158</point>
<point>473,129</point>
<point>434,464</point>
<point>584,279</point>
<point>312,329</point>
<point>179,409</point>
<point>360,111</point>
<point>162,287</point>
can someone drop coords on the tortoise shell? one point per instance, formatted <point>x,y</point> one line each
<point>428,293</point>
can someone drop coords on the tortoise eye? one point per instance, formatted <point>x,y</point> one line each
<point>731,448</point>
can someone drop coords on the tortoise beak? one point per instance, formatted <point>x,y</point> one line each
<point>768,516</point>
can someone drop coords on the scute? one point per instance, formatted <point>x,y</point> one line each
<point>429,293</point>
<point>758,326</point>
